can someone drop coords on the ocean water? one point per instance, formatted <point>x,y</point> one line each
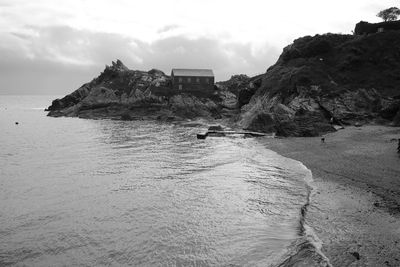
<point>141,193</point>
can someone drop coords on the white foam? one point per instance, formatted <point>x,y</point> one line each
<point>312,237</point>
<point>309,233</point>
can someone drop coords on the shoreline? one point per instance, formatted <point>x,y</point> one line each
<point>355,204</point>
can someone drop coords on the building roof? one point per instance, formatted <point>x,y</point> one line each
<point>193,72</point>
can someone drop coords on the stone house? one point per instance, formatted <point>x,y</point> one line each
<point>193,80</point>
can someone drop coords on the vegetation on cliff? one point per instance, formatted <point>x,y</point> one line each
<point>344,79</point>
<point>389,14</point>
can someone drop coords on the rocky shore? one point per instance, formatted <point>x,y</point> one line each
<point>121,93</point>
<point>344,79</point>
<point>354,207</point>
<point>317,82</point>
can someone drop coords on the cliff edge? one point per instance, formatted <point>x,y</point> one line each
<point>328,79</point>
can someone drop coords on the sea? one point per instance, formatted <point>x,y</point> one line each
<point>82,192</point>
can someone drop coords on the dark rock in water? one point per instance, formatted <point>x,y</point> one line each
<point>202,135</point>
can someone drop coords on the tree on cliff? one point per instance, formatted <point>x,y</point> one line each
<point>389,14</point>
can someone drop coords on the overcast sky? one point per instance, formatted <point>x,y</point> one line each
<point>53,47</point>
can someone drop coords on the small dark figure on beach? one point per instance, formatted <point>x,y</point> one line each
<point>331,121</point>
<point>323,140</point>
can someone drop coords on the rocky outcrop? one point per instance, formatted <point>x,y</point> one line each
<point>316,83</point>
<point>235,83</point>
<point>126,94</point>
<point>328,79</point>
<point>242,86</point>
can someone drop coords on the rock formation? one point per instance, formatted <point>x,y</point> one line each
<point>126,94</point>
<point>325,79</point>
<point>316,83</point>
<point>242,86</point>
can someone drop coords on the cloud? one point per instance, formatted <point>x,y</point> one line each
<point>58,59</point>
<point>168,28</point>
<point>55,46</point>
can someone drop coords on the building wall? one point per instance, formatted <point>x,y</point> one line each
<point>193,84</point>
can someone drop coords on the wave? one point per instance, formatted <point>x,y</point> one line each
<point>306,250</point>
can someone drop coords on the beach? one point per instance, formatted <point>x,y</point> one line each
<point>355,202</point>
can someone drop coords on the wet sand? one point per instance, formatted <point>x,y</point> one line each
<point>355,205</point>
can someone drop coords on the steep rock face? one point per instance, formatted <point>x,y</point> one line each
<point>318,80</point>
<point>235,83</point>
<point>242,86</point>
<point>126,94</point>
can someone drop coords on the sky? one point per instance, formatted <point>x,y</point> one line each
<point>54,46</point>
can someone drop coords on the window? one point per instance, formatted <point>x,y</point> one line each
<point>180,87</point>
<point>180,80</point>
<point>189,80</point>
<point>197,80</point>
<point>207,80</point>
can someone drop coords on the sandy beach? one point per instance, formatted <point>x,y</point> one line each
<point>355,204</point>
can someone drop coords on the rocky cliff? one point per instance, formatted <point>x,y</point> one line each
<point>328,79</point>
<point>242,86</point>
<point>121,93</point>
<point>318,82</point>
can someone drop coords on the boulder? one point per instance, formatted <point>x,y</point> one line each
<point>261,122</point>
<point>305,123</point>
